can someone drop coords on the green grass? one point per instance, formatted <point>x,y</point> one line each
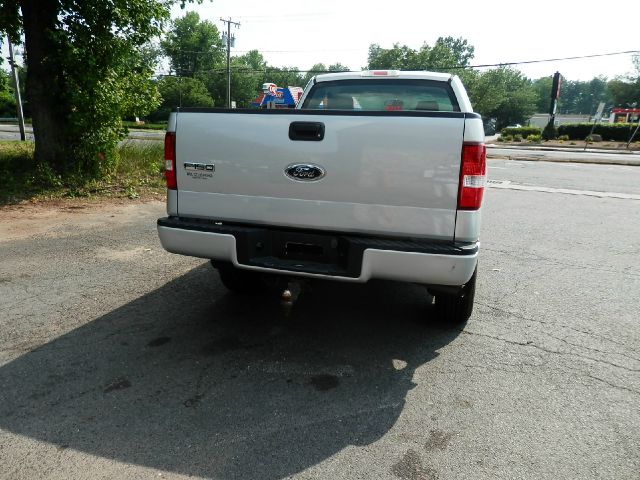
<point>137,174</point>
<point>146,126</point>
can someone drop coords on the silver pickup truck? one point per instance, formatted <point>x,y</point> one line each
<point>376,174</point>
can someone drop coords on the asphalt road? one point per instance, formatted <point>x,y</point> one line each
<point>12,132</point>
<point>118,360</point>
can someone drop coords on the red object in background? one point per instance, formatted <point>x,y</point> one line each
<point>393,105</point>
<point>626,110</point>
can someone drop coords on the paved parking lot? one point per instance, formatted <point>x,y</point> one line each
<point>119,360</point>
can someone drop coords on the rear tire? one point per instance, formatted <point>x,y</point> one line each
<point>456,309</point>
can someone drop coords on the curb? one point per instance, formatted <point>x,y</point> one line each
<point>633,162</point>
<point>563,149</point>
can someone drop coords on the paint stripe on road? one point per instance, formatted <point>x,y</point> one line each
<point>508,185</point>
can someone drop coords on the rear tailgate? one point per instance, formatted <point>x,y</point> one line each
<point>387,173</point>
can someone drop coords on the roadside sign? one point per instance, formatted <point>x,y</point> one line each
<point>599,112</point>
<point>596,120</point>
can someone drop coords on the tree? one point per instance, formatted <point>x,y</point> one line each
<point>284,76</point>
<point>624,93</point>
<point>543,86</point>
<point>338,67</point>
<point>193,46</point>
<point>625,90</point>
<point>504,94</point>
<point>448,54</point>
<point>7,101</point>
<point>180,92</point>
<point>397,57</point>
<point>85,73</point>
<point>316,69</point>
<point>501,93</point>
<point>247,76</point>
<point>151,54</point>
<point>576,97</point>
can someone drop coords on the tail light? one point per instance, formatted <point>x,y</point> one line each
<point>170,160</point>
<point>473,176</point>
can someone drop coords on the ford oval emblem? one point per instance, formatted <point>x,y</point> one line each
<point>304,172</point>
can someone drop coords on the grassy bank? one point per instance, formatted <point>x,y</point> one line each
<point>138,173</point>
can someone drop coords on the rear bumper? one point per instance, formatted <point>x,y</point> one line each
<point>321,254</point>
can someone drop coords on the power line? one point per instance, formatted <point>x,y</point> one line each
<point>436,67</point>
<point>304,51</point>
<point>552,59</point>
<point>289,15</point>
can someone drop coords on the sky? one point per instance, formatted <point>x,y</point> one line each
<point>303,33</point>
<point>300,34</point>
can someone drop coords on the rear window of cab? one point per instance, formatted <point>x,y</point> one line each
<point>382,95</point>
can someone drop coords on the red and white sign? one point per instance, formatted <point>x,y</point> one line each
<point>271,89</point>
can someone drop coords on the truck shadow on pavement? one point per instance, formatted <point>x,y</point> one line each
<point>194,380</point>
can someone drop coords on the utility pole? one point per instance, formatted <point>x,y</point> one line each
<point>230,39</point>
<point>16,84</point>
<point>555,93</point>
<point>549,132</point>
<point>634,134</point>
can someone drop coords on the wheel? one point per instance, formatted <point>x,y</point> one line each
<point>456,309</point>
<point>245,281</point>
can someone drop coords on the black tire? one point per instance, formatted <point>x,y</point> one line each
<point>456,309</point>
<point>245,281</point>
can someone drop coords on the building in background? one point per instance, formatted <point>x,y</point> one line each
<point>273,96</point>
<point>624,115</point>
<point>541,119</point>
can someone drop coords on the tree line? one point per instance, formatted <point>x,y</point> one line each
<point>89,65</point>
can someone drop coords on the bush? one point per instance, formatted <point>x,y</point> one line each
<point>550,132</point>
<point>524,132</point>
<point>517,138</point>
<point>563,138</point>
<point>506,138</point>
<point>534,138</point>
<point>617,132</point>
<point>139,169</point>
<point>7,105</point>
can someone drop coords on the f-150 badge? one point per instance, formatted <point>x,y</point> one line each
<point>304,172</point>
<point>200,170</point>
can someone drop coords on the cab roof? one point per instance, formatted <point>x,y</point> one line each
<point>384,74</point>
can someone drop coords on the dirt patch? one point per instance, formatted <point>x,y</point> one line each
<point>122,255</point>
<point>60,217</point>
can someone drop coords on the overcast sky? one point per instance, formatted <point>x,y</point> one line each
<point>303,33</point>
